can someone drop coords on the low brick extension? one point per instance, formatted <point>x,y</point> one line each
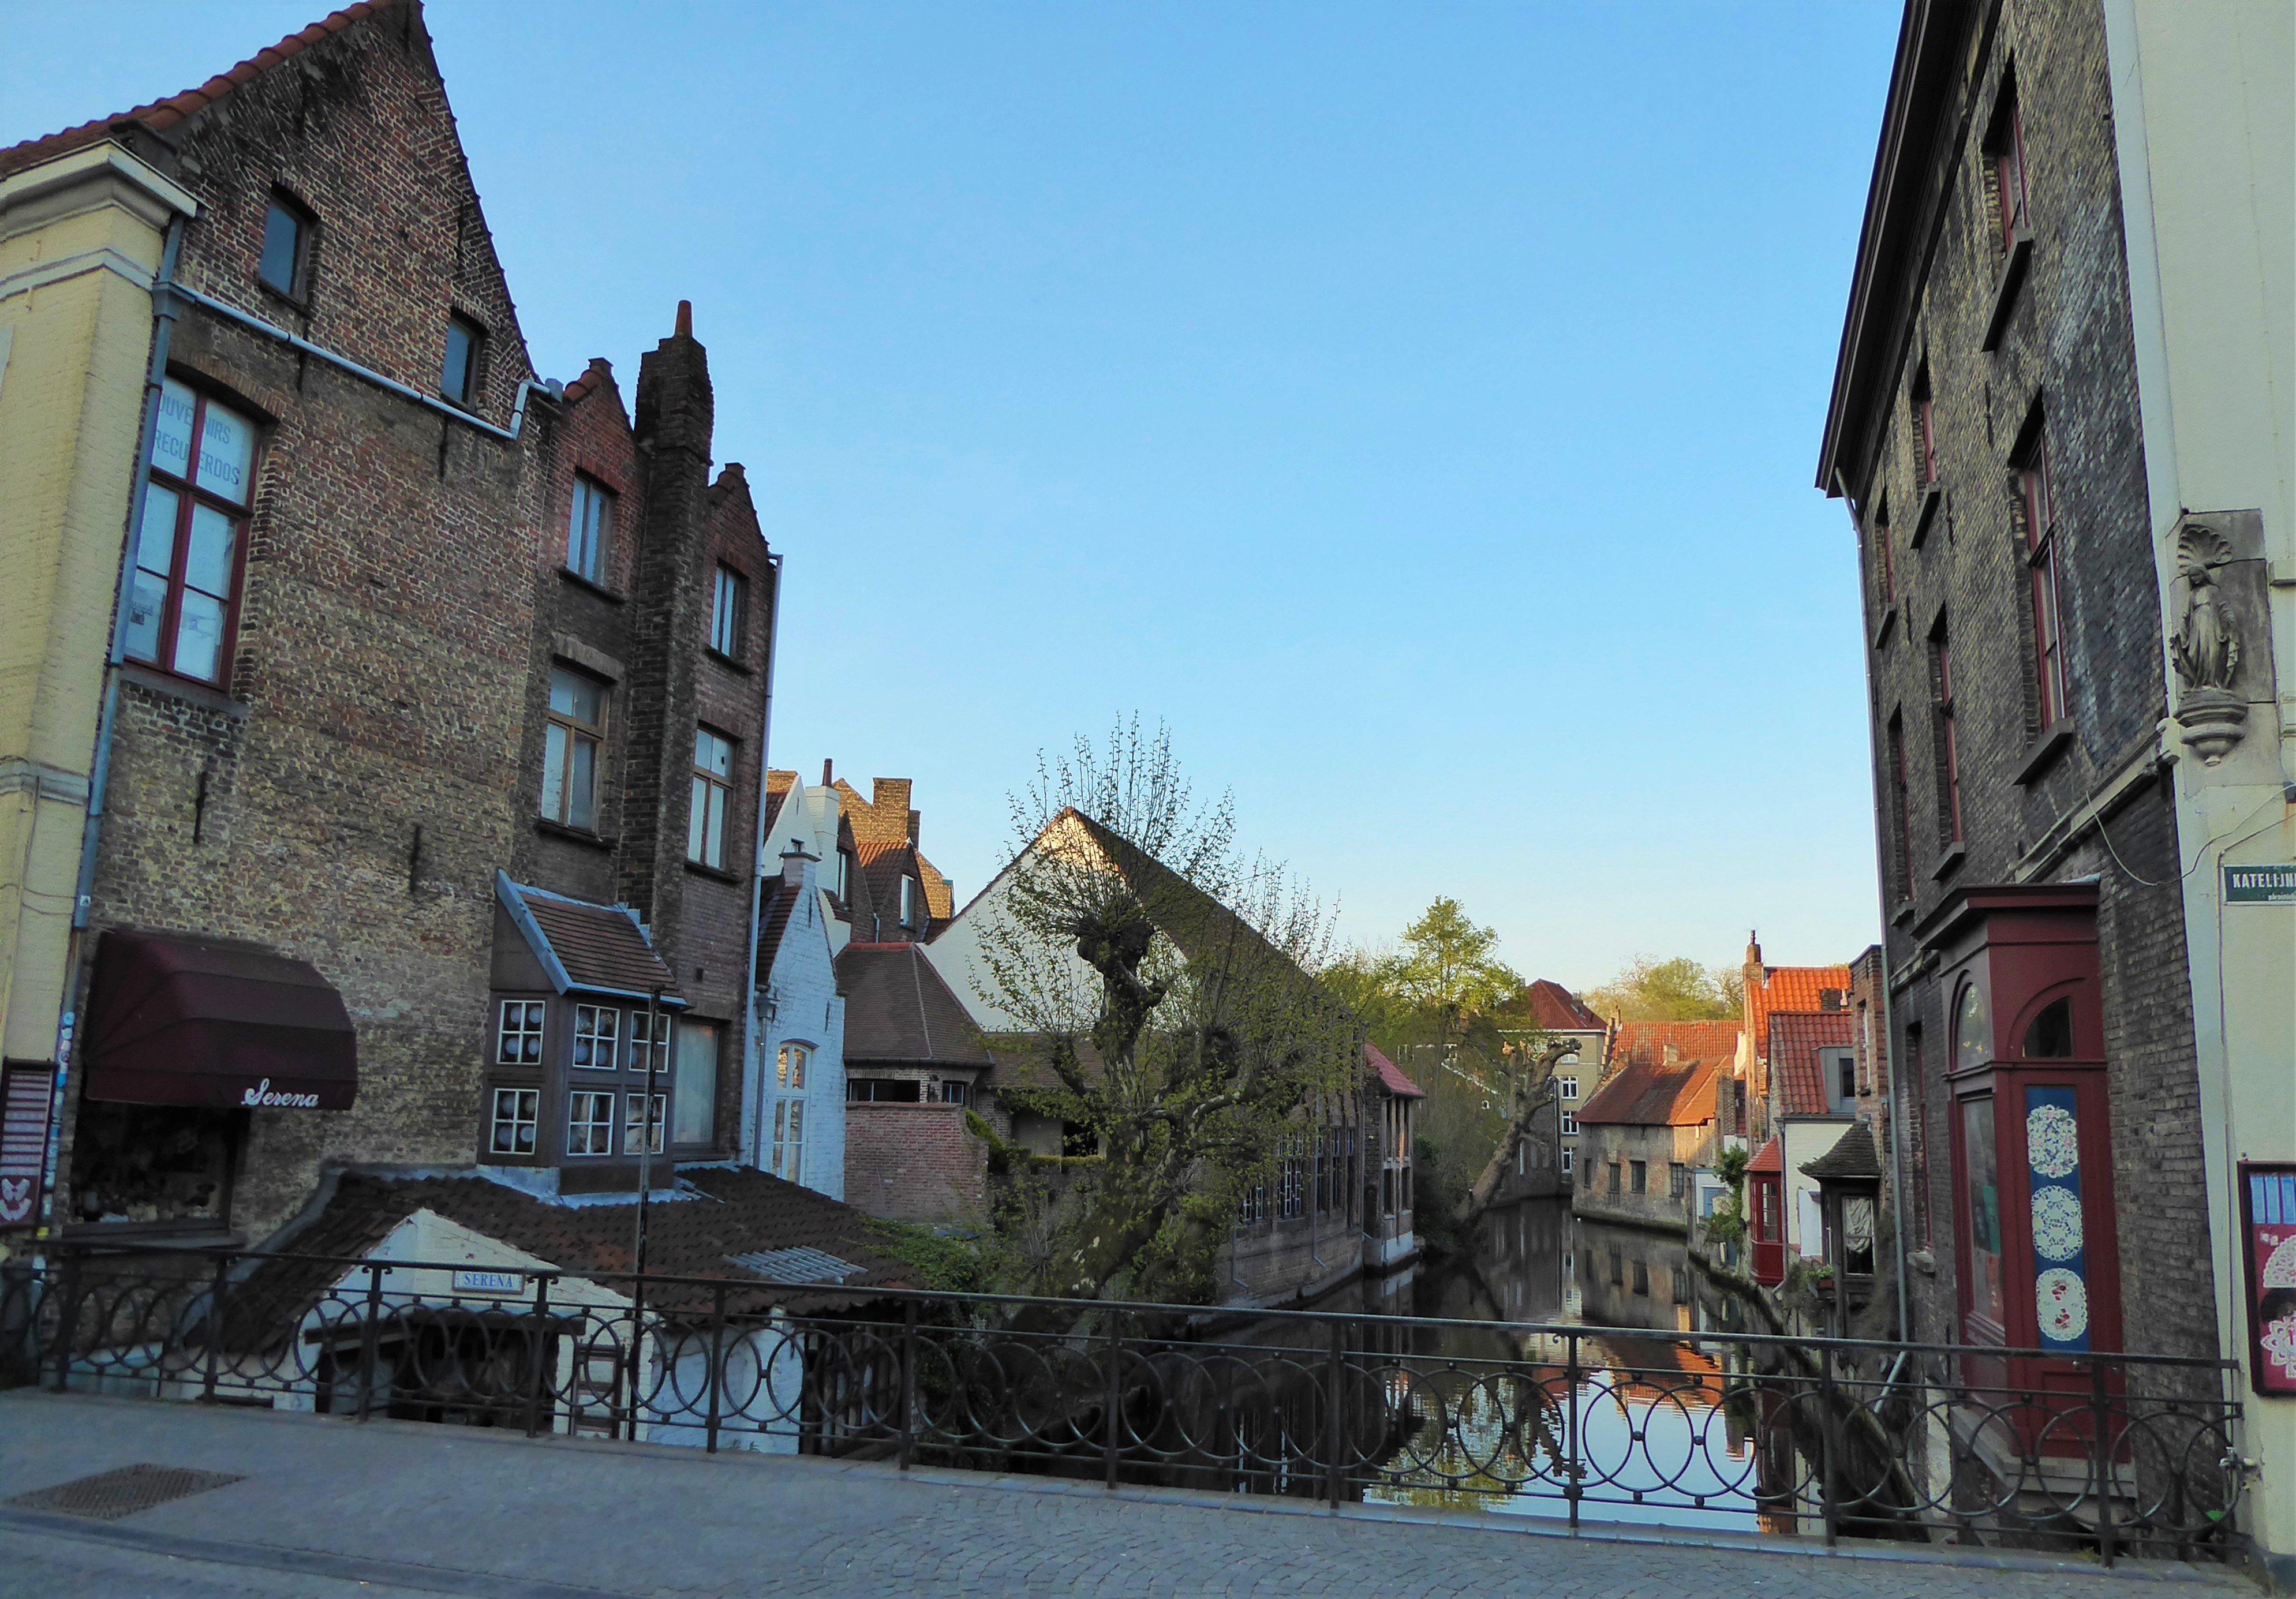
<point>912,1162</point>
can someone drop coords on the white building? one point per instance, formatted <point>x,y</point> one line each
<point>793,1112</point>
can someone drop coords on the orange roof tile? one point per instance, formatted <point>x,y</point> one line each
<point>1646,1041</point>
<point>1770,1157</point>
<point>1795,1038</point>
<point>1789,988</point>
<point>1646,1094</point>
<point>1558,1010</point>
<point>1390,1076</point>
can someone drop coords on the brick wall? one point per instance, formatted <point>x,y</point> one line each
<point>912,1162</point>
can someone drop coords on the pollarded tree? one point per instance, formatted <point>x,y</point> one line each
<point>1161,982</point>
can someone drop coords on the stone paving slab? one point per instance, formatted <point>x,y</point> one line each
<point>326,1507</point>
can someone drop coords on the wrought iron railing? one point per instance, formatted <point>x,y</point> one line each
<point>2105,1452</point>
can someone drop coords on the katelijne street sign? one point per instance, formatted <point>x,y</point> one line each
<point>2260,885</point>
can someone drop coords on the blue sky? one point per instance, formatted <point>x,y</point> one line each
<point>1414,406</point>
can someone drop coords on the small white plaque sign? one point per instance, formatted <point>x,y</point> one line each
<point>472,1280</point>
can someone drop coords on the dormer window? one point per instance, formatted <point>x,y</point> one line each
<point>845,875</point>
<point>908,901</point>
<point>285,266</point>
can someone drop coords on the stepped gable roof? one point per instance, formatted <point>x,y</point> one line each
<point>1770,1157</point>
<point>722,1211</point>
<point>1854,1157</point>
<point>1795,1038</point>
<point>1647,1093</point>
<point>160,115</point>
<point>600,372</point>
<point>1645,1041</point>
<point>598,948</point>
<point>1390,1076</point>
<point>1790,988</point>
<point>898,1008</point>
<point>1558,1010</point>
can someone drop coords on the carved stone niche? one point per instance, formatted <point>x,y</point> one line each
<point>2220,638</point>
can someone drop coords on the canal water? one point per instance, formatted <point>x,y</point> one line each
<point>1660,1443</point>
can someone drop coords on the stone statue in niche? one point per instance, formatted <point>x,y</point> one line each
<point>2206,649</point>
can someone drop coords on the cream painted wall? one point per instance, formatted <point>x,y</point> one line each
<point>80,239</point>
<point>2205,107</point>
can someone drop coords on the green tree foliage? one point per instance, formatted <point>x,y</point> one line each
<point>1678,990</point>
<point>1160,984</point>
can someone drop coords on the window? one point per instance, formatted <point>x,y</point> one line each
<point>1569,1087</point>
<point>1885,555</point>
<point>789,1140</point>
<point>729,612</point>
<point>516,1111</point>
<point>2036,500</point>
<point>1987,1295</point>
<point>1616,1183</point>
<point>286,248</point>
<point>1641,1172</point>
<point>1901,808</point>
<point>696,1084</point>
<point>1920,1140</point>
<point>1948,739</point>
<point>955,1093</point>
<point>1251,1208</point>
<point>1569,1124</point>
<point>183,596</point>
<point>2008,158</point>
<point>590,531</point>
<point>595,1031</point>
<point>590,1124</point>
<point>845,875</point>
<point>884,1090</point>
<point>1924,429</point>
<point>570,749</point>
<point>1677,1179</point>
<point>713,791</point>
<point>642,1126</point>
<point>458,373</point>
<point>649,1035</point>
<point>1566,1159</point>
<point>518,1040</point>
<point>1291,1184</point>
<point>1642,1278</point>
<point>789,1067</point>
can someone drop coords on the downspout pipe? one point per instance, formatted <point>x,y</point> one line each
<point>752,1048</point>
<point>165,309</point>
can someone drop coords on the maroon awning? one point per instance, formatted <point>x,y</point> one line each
<point>177,1020</point>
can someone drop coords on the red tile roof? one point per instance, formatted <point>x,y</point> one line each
<point>1795,1038</point>
<point>1558,1010</point>
<point>1390,1076</point>
<point>600,371</point>
<point>1770,1157</point>
<point>163,114</point>
<point>1646,1041</point>
<point>1648,1095</point>
<point>1789,988</point>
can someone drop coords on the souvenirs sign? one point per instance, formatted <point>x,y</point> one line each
<point>2267,1216</point>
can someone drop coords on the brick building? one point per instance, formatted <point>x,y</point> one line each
<point>1988,431</point>
<point>423,800</point>
<point>1645,1132</point>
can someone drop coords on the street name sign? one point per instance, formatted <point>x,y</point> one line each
<point>2260,885</point>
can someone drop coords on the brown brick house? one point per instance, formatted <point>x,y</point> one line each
<point>415,654</point>
<point>1641,1136</point>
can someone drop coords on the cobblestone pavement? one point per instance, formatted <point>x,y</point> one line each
<point>326,1509</point>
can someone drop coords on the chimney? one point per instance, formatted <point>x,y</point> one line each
<point>825,778</point>
<point>888,820</point>
<point>674,408</point>
<point>1830,999</point>
<point>794,861</point>
<point>684,319</point>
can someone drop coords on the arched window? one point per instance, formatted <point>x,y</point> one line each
<point>1972,1030</point>
<point>2050,1038</point>
<point>787,1157</point>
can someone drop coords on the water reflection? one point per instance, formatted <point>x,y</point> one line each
<point>1652,1415</point>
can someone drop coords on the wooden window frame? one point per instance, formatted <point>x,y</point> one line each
<point>729,611</point>
<point>590,531</point>
<point>567,725</point>
<point>2006,150</point>
<point>1901,810</point>
<point>525,1100</point>
<point>1948,734</point>
<point>539,1033</point>
<point>595,1025</point>
<point>710,817</point>
<point>2037,506</point>
<point>634,1129</point>
<point>189,499</point>
<point>583,1129</point>
<point>298,286</point>
<point>474,335</point>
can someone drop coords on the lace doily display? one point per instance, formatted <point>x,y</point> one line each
<point>2056,1223</point>
<point>2279,1341</point>
<point>2051,1141</point>
<point>2280,1268</point>
<point>2063,1300</point>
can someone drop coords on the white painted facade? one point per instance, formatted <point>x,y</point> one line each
<point>798,1008</point>
<point>2204,123</point>
<point>1801,1140</point>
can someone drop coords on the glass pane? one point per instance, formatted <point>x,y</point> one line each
<point>1973,1030</point>
<point>279,230</point>
<point>171,436</point>
<point>226,452</point>
<point>198,636</point>
<point>581,793</point>
<point>455,371</point>
<point>713,838</point>
<point>1984,1160</point>
<point>207,563</point>
<point>795,1078</point>
<point>2051,1035</point>
<point>697,820</point>
<point>712,754</point>
<point>694,1120</point>
<point>155,538</point>
<point>576,697</point>
<point>147,598</point>
<point>553,773</point>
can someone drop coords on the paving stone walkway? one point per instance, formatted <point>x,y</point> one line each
<point>325,1509</point>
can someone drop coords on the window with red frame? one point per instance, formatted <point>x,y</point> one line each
<point>1919,1139</point>
<point>1925,426</point>
<point>1901,808</point>
<point>1948,742</point>
<point>2036,497</point>
<point>182,597</point>
<point>2008,157</point>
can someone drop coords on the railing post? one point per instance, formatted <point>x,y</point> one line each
<point>1571,1467</point>
<point>638,1339</point>
<point>908,1380</point>
<point>1335,1431</point>
<point>717,1363</point>
<point>1827,1498</point>
<point>213,1335</point>
<point>1111,1407</point>
<point>534,1378</point>
<point>2101,1452</point>
<point>369,1339</point>
<point>67,1321</point>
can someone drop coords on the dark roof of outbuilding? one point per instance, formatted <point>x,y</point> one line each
<point>898,1008</point>
<point>1648,1095</point>
<point>1390,1076</point>
<point>1853,1158</point>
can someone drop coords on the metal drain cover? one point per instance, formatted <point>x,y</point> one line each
<point>108,1495</point>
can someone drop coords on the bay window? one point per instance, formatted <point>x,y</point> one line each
<point>191,537</point>
<point>589,1123</point>
<point>643,1123</point>
<point>517,1112</point>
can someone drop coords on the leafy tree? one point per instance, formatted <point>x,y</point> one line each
<point>1161,981</point>
<point>1678,990</point>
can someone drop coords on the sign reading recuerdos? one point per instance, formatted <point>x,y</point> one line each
<point>2260,885</point>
